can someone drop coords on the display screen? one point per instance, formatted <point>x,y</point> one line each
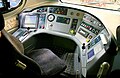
<point>91,53</point>
<point>30,21</point>
<point>63,20</point>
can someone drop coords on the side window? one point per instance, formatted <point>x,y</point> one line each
<point>14,3</point>
<point>10,5</point>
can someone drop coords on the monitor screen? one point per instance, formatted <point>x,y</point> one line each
<point>90,53</point>
<point>30,21</point>
<point>64,20</point>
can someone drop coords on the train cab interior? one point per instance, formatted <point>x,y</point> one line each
<point>60,38</point>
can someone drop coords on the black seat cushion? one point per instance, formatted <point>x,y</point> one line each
<point>50,63</point>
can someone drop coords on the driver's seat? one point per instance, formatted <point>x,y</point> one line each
<point>39,63</point>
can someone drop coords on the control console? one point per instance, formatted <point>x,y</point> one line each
<point>75,24</point>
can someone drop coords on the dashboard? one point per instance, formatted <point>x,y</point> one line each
<point>74,24</point>
<point>63,20</point>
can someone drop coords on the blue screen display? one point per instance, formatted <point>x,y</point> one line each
<point>90,53</point>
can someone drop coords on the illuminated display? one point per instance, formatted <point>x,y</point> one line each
<point>63,20</point>
<point>30,21</point>
<point>91,53</point>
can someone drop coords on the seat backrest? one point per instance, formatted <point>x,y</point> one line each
<point>2,24</point>
<point>118,36</point>
<point>12,58</point>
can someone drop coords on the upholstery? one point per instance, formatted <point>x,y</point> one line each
<point>48,61</point>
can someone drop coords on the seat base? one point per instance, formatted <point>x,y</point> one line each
<point>49,63</point>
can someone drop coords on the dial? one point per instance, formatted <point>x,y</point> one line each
<point>51,17</point>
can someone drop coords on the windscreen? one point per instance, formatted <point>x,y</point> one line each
<point>104,4</point>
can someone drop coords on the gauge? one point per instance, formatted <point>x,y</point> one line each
<point>51,17</point>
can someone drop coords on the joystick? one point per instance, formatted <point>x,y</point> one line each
<point>83,49</point>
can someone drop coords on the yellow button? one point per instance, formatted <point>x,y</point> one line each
<point>71,31</point>
<point>87,40</point>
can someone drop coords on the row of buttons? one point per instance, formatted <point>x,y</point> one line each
<point>92,20</point>
<point>90,28</point>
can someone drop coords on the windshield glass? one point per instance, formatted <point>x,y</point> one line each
<point>106,4</point>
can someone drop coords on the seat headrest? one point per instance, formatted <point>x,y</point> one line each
<point>2,24</point>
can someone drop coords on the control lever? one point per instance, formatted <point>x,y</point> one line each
<point>28,28</point>
<point>104,67</point>
<point>84,60</point>
<point>27,31</point>
<point>83,52</point>
<point>83,49</point>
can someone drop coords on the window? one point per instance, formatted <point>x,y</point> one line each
<point>9,5</point>
<point>14,3</point>
<point>106,4</point>
<point>1,4</point>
